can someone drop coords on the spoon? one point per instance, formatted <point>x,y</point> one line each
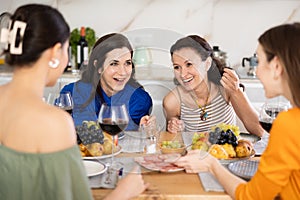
<point>174,157</point>
<point>185,150</point>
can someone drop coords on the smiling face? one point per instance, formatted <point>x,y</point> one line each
<point>189,69</point>
<point>116,71</point>
<point>265,73</point>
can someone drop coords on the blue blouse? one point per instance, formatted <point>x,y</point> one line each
<point>137,101</point>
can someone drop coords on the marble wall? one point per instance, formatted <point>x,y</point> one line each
<point>234,25</point>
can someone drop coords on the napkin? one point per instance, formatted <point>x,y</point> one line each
<point>133,142</point>
<point>99,181</point>
<point>261,145</point>
<point>210,183</point>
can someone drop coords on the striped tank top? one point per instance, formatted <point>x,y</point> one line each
<point>219,111</point>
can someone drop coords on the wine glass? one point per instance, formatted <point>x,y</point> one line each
<point>113,119</point>
<point>62,100</point>
<point>269,112</point>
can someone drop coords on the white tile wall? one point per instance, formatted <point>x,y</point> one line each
<point>234,25</point>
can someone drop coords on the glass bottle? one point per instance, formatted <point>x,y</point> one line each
<point>82,49</point>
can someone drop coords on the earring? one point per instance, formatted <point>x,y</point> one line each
<point>53,63</point>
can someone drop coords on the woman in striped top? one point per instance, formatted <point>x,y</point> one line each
<point>207,94</point>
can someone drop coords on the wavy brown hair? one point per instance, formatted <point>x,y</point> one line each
<point>283,41</point>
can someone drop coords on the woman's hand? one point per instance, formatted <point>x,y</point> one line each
<point>195,161</point>
<point>230,80</point>
<point>148,121</point>
<point>130,186</point>
<point>175,125</point>
<point>148,125</point>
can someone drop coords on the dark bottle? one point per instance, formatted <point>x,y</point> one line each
<point>82,49</point>
<point>69,65</point>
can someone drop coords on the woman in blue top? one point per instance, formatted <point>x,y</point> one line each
<point>109,78</point>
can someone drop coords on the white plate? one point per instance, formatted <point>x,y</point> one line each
<point>94,168</point>
<point>119,150</point>
<point>230,160</point>
<point>121,135</point>
<point>187,138</point>
<point>158,162</point>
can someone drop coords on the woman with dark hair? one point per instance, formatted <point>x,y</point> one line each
<point>278,173</point>
<point>38,142</point>
<point>208,93</point>
<point>39,155</point>
<point>109,78</point>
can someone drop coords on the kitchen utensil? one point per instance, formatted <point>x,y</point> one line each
<point>221,55</point>
<point>142,56</point>
<point>252,65</point>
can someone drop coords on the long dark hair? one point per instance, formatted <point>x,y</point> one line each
<point>283,41</point>
<point>201,46</point>
<point>102,47</point>
<point>45,26</point>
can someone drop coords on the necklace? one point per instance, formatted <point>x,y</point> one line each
<point>203,112</point>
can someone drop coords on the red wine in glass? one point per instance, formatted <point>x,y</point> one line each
<point>62,100</point>
<point>266,124</point>
<point>111,127</point>
<point>113,119</point>
<point>273,112</point>
<point>269,112</point>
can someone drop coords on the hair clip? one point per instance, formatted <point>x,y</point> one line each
<point>9,37</point>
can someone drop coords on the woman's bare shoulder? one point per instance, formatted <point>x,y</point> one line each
<point>58,118</point>
<point>172,95</point>
<point>56,127</point>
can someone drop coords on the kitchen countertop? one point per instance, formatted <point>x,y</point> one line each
<point>242,72</point>
<point>6,71</point>
<point>160,73</point>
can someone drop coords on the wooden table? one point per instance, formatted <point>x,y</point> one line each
<point>176,185</point>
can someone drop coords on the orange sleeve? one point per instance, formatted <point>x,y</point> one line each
<point>278,164</point>
<point>258,188</point>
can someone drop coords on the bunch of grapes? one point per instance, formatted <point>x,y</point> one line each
<point>89,132</point>
<point>223,126</point>
<point>219,136</point>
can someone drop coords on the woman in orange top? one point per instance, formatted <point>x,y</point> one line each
<point>278,173</point>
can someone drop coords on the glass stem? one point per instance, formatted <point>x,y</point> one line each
<point>112,149</point>
<point>110,168</point>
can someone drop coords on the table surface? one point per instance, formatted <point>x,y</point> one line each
<point>175,185</point>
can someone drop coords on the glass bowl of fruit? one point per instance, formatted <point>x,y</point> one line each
<point>224,142</point>
<point>172,146</point>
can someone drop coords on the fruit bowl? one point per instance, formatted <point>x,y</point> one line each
<point>223,142</point>
<point>168,147</point>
